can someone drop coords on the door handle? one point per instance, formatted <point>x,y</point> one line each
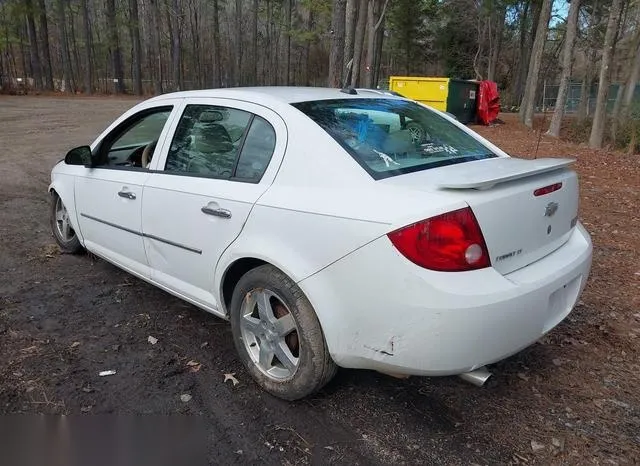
<point>127,194</point>
<point>218,212</point>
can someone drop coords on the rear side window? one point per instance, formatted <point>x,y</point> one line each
<point>257,150</point>
<point>390,137</point>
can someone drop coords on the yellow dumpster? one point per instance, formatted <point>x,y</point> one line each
<point>456,96</point>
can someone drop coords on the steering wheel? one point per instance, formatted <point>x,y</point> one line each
<point>147,154</point>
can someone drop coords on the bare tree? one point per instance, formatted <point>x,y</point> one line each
<point>350,30</point>
<point>599,116</point>
<point>497,19</point>
<point>253,65</point>
<point>336,58</point>
<point>567,60</point>
<point>527,106</point>
<point>156,53</point>
<point>237,63</point>
<point>217,65</point>
<point>631,83</point>
<point>176,46</point>
<point>86,30</point>
<point>33,43</point>
<point>114,46</point>
<point>358,46</point>
<point>67,77</point>
<point>287,42</point>
<point>47,71</point>
<point>136,58</point>
<point>375,19</point>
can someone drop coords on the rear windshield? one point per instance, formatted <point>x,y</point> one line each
<point>390,137</point>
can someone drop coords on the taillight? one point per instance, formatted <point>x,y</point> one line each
<point>450,242</point>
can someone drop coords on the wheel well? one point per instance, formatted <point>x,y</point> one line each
<point>234,274</point>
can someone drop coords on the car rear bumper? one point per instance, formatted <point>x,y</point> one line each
<point>378,311</point>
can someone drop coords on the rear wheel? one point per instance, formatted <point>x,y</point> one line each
<point>417,132</point>
<point>61,228</point>
<point>278,336</point>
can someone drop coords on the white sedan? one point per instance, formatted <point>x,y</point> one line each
<point>326,234</point>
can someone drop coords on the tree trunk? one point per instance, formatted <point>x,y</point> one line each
<point>86,32</point>
<point>567,59</point>
<point>114,46</point>
<point>377,61</point>
<point>134,27</point>
<point>359,41</point>
<point>67,83</point>
<point>372,12</point>
<point>287,42</point>
<point>176,61</point>
<point>600,114</point>
<point>336,58</point>
<point>630,86</point>
<point>253,65</point>
<point>375,19</point>
<point>217,67</point>
<point>47,71</point>
<point>155,46</point>
<point>237,70</point>
<point>33,44</point>
<point>350,30</point>
<point>307,50</point>
<point>494,52</point>
<point>585,88</point>
<point>527,106</point>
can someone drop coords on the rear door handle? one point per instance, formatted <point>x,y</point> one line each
<point>218,212</point>
<point>127,194</point>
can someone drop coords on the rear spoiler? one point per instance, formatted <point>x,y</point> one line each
<point>485,174</point>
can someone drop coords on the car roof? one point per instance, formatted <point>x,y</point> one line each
<point>283,94</point>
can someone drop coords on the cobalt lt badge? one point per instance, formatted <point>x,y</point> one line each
<point>551,209</point>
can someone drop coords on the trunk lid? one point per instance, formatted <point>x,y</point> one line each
<point>519,227</point>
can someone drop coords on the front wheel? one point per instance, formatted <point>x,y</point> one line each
<point>278,336</point>
<point>61,228</point>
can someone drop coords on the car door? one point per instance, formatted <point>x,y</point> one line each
<point>109,194</point>
<point>222,156</point>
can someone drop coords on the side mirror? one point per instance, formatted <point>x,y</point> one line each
<point>79,156</point>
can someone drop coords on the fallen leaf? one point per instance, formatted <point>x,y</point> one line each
<point>232,378</point>
<point>194,366</point>
<point>536,446</point>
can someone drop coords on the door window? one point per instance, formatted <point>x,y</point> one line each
<point>257,150</point>
<point>207,141</point>
<point>133,142</point>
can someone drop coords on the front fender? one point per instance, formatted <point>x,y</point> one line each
<point>63,185</point>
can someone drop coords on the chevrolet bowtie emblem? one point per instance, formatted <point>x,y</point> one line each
<point>551,209</point>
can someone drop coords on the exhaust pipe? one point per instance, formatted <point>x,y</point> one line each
<point>477,377</point>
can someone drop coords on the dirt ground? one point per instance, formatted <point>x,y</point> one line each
<point>572,398</point>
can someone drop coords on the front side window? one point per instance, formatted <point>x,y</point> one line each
<point>207,141</point>
<point>133,143</point>
<point>390,137</point>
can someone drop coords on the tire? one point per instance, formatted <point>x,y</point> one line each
<point>269,289</point>
<point>418,134</point>
<point>69,242</point>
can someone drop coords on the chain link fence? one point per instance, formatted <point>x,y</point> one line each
<point>574,95</point>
